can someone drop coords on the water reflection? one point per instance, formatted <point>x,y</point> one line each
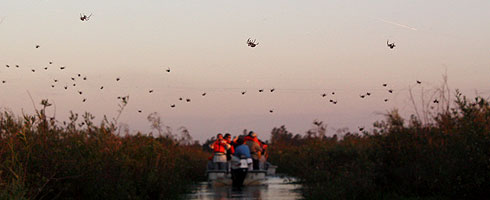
<point>275,188</point>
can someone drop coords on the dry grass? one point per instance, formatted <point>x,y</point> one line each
<point>40,159</point>
<point>447,158</point>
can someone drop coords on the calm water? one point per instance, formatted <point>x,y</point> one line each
<point>275,188</point>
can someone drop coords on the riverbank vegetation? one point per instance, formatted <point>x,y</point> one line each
<point>445,157</point>
<point>41,158</point>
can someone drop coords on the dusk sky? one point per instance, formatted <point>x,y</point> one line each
<point>306,48</point>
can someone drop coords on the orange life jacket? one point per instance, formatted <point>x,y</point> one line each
<point>255,139</point>
<point>219,147</point>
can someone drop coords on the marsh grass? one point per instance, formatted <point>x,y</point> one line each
<point>446,158</point>
<point>41,158</point>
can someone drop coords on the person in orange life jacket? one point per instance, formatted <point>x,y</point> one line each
<point>255,148</point>
<point>219,148</point>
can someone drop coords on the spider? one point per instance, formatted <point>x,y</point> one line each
<point>390,45</point>
<point>252,43</point>
<point>84,17</point>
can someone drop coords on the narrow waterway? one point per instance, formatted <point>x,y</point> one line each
<point>280,188</point>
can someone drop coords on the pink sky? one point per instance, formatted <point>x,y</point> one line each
<point>306,49</point>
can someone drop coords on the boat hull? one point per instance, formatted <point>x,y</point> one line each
<point>222,178</point>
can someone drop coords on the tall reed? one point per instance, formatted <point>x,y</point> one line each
<point>42,159</point>
<point>448,158</point>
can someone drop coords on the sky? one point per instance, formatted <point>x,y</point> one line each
<point>306,48</point>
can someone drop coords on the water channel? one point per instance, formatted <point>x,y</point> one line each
<point>276,187</point>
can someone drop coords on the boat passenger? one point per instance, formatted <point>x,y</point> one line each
<point>229,152</point>
<point>255,148</point>
<point>219,147</point>
<point>239,167</point>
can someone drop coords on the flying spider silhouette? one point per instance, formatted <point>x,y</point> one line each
<point>390,45</point>
<point>252,43</point>
<point>84,17</point>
